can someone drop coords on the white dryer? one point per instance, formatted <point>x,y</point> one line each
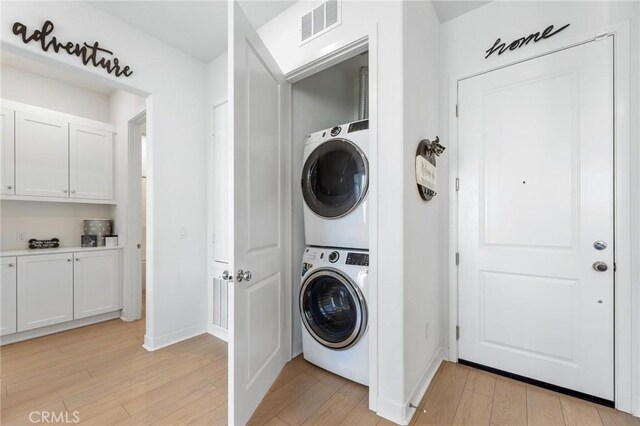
<point>335,182</point>
<point>333,308</point>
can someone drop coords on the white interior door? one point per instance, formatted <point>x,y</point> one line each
<point>536,198</point>
<point>259,129</point>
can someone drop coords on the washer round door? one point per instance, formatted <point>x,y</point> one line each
<point>335,178</point>
<point>333,309</point>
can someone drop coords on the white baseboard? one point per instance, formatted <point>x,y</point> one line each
<point>57,328</point>
<point>155,343</point>
<point>402,413</point>
<point>635,406</point>
<point>218,332</point>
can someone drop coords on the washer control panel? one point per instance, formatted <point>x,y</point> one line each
<point>334,256</point>
<point>360,259</point>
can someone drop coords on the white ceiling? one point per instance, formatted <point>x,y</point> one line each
<point>449,9</point>
<point>198,28</point>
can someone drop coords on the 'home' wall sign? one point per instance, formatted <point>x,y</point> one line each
<point>89,53</point>
<point>522,41</point>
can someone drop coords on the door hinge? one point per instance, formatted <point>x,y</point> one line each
<point>457,332</point>
<point>457,184</point>
<point>615,266</point>
<point>457,111</point>
<point>457,258</point>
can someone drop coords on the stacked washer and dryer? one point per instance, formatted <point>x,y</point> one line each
<point>335,266</point>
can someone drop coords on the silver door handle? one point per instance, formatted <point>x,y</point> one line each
<point>600,266</point>
<point>243,275</point>
<point>225,275</point>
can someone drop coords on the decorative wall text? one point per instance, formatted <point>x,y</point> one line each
<point>522,41</point>
<point>90,54</point>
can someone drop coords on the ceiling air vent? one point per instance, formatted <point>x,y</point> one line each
<point>320,20</point>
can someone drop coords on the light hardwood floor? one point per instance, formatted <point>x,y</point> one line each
<point>458,395</point>
<point>103,373</point>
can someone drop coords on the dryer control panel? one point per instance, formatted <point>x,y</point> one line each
<point>360,259</point>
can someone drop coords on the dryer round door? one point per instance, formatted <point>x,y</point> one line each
<point>335,178</point>
<point>333,309</point>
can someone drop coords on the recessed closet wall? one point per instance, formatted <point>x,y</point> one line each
<point>45,220</point>
<point>325,99</point>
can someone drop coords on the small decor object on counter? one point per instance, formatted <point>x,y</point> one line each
<point>44,244</point>
<point>111,240</point>
<point>89,241</point>
<point>99,228</point>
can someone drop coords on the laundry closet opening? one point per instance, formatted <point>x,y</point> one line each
<point>330,184</point>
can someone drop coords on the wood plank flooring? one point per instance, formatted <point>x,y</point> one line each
<point>304,394</point>
<point>102,372</point>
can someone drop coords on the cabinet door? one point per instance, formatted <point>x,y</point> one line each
<point>7,152</point>
<point>42,156</point>
<point>90,163</point>
<point>96,283</point>
<point>45,290</point>
<point>8,298</point>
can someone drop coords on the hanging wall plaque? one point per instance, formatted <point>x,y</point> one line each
<point>426,167</point>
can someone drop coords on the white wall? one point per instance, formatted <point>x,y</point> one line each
<point>323,100</point>
<point>45,220</point>
<point>463,44</point>
<point>33,89</point>
<point>424,281</point>
<point>177,139</point>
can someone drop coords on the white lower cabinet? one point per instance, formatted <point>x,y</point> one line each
<point>45,290</point>
<point>96,283</point>
<point>8,296</point>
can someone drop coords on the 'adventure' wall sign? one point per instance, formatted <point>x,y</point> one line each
<point>89,53</point>
<point>523,41</point>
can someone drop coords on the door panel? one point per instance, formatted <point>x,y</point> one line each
<point>7,152</point>
<point>96,283</point>
<point>90,163</point>
<point>8,297</point>
<point>259,131</point>
<point>42,156</point>
<point>536,192</point>
<point>45,290</point>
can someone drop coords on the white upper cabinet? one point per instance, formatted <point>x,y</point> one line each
<point>42,156</point>
<point>7,152</point>
<point>90,163</point>
<point>45,290</point>
<point>96,288</point>
<point>8,298</point>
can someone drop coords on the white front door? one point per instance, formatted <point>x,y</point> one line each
<point>260,135</point>
<point>535,214</point>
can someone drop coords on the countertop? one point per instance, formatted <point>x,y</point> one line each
<point>29,252</point>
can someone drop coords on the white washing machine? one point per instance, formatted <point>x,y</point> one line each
<point>335,182</point>
<point>333,307</point>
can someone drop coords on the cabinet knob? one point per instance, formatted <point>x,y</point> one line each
<point>11,265</point>
<point>9,186</point>
<point>65,191</point>
<point>77,259</point>
<point>73,191</point>
<point>68,260</point>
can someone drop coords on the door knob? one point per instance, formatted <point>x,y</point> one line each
<point>600,266</point>
<point>225,275</point>
<point>243,275</point>
<point>599,245</point>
